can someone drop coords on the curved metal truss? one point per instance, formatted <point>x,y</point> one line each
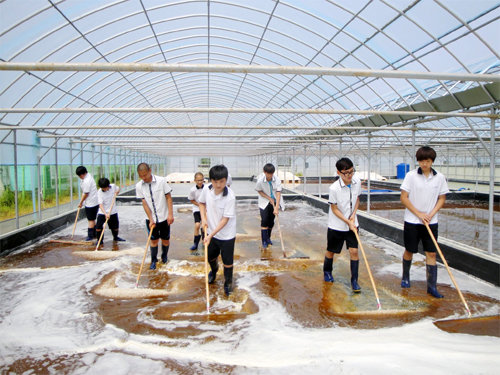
<point>253,104</point>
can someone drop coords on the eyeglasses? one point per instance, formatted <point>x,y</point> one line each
<point>348,173</point>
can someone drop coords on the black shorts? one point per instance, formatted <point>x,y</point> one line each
<point>197,217</point>
<point>91,212</point>
<point>336,239</point>
<point>161,230</point>
<point>113,222</point>
<point>414,233</point>
<point>223,247</point>
<point>267,216</point>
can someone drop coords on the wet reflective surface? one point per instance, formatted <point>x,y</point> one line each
<point>70,309</point>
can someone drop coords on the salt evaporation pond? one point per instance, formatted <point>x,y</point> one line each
<point>282,318</point>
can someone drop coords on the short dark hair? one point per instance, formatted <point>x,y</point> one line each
<point>218,172</point>
<point>81,170</point>
<point>343,164</point>
<point>143,167</point>
<point>269,168</point>
<point>198,174</point>
<point>426,152</point>
<point>103,182</point>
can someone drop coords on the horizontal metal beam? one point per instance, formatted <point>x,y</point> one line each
<point>138,137</point>
<point>310,111</point>
<point>231,127</point>
<point>245,69</point>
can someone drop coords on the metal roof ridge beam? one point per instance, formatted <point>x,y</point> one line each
<point>312,111</point>
<point>247,69</point>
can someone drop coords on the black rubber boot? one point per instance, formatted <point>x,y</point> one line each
<point>327,270</point>
<point>228,280</point>
<point>154,257</point>
<point>98,233</point>
<point>196,242</point>
<point>263,236</point>
<point>115,236</point>
<point>269,242</point>
<point>164,253</point>
<point>405,280</point>
<point>214,266</point>
<point>90,234</point>
<point>431,281</point>
<point>354,276</point>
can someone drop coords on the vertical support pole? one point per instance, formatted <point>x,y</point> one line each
<point>93,160</point>
<point>319,167</point>
<point>71,173</point>
<point>39,167</point>
<point>492,186</point>
<point>305,170</point>
<point>369,171</point>
<point>448,161</point>
<point>57,176</point>
<point>413,149</point>
<point>477,167</point>
<point>16,187</point>
<point>100,162</point>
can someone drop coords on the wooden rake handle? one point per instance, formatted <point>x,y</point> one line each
<point>144,257</point>
<point>76,219</point>
<point>104,225</point>
<point>447,268</point>
<point>206,273</point>
<point>379,306</point>
<point>279,231</point>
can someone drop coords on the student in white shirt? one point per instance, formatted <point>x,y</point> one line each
<point>193,196</point>
<point>218,211</point>
<point>157,203</point>
<point>269,188</point>
<point>342,220</point>
<point>89,196</point>
<point>423,193</point>
<point>106,195</point>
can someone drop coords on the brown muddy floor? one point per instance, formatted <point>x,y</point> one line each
<point>296,284</point>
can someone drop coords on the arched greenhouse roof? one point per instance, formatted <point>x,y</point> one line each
<point>250,77</point>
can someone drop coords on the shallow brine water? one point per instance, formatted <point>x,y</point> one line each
<point>70,309</point>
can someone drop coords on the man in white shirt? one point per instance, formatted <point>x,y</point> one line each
<point>217,205</point>
<point>89,196</point>
<point>106,197</point>
<point>193,196</point>
<point>269,188</point>
<point>423,193</point>
<point>342,220</point>
<point>157,203</point>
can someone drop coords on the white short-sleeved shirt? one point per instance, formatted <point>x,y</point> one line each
<point>194,195</point>
<point>263,185</point>
<point>219,206</point>
<point>106,199</point>
<point>423,192</point>
<point>345,197</point>
<point>87,186</point>
<point>155,192</point>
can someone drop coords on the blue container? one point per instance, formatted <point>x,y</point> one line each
<point>401,170</point>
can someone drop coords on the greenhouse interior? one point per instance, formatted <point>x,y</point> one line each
<point>188,85</point>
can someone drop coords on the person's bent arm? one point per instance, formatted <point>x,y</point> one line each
<point>170,218</point>
<point>222,224</point>
<point>405,199</point>
<point>148,213</point>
